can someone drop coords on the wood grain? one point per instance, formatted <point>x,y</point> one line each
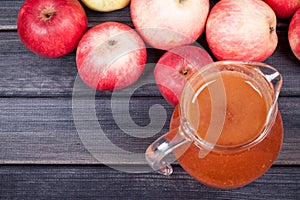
<point>94,182</point>
<point>42,130</point>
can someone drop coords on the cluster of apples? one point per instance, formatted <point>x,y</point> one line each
<point>289,9</point>
<point>113,55</point>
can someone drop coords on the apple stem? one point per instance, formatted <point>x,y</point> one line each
<point>47,13</point>
<point>112,42</point>
<point>185,72</point>
<point>272,30</point>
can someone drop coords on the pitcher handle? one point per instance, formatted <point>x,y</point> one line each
<point>157,152</point>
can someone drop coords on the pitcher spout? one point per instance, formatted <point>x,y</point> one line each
<point>274,77</point>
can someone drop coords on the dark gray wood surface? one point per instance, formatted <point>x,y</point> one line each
<point>100,182</point>
<point>41,151</point>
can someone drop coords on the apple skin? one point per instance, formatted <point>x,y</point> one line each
<point>294,34</point>
<point>242,30</point>
<point>165,24</point>
<point>51,28</point>
<point>175,67</point>
<point>110,56</point>
<point>284,8</point>
<point>106,5</point>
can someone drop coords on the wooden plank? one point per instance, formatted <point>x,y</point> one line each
<point>43,130</point>
<point>26,74</point>
<point>8,14</point>
<point>72,182</point>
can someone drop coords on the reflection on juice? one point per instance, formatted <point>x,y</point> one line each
<point>244,119</point>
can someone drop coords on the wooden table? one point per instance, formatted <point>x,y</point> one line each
<point>46,111</point>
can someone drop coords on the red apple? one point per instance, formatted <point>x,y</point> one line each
<point>294,34</point>
<point>51,28</point>
<point>284,8</point>
<point>165,24</point>
<point>110,56</point>
<point>175,67</point>
<point>241,30</point>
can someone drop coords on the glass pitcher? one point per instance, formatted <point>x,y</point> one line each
<point>226,136</point>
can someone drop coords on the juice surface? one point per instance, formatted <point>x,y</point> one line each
<point>240,119</point>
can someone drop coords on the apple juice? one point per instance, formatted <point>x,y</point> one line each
<point>245,115</point>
